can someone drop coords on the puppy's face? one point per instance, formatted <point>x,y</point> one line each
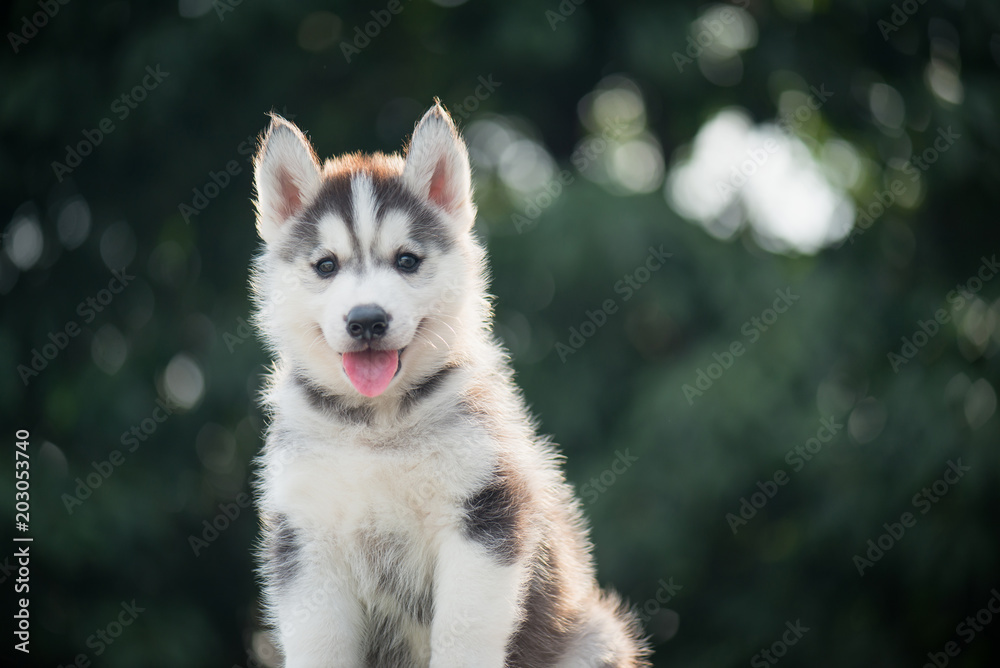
<point>367,267</point>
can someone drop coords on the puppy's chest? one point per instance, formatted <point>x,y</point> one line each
<point>356,493</point>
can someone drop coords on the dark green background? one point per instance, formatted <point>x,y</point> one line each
<point>665,516</point>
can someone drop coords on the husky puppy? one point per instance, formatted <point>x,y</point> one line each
<point>411,514</point>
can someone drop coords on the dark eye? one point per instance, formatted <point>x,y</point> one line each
<point>326,266</point>
<point>407,262</point>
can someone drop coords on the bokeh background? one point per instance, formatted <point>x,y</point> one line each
<point>844,155</point>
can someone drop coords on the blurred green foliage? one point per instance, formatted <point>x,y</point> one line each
<point>661,520</point>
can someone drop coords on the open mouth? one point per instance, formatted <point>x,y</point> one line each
<point>370,371</point>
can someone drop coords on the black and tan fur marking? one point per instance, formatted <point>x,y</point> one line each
<point>549,621</point>
<point>281,550</point>
<point>334,404</point>
<point>495,516</point>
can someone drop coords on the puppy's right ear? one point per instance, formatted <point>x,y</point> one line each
<point>286,176</point>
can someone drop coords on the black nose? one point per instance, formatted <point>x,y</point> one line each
<point>367,322</point>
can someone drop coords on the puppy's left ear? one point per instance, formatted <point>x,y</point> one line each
<point>286,175</point>
<point>437,166</point>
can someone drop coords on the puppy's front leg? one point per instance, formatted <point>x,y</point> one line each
<point>476,607</point>
<point>312,602</point>
<point>317,628</point>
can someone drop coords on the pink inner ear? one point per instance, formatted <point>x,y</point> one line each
<point>439,191</point>
<point>289,195</point>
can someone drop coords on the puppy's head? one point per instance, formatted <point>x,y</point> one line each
<point>370,277</point>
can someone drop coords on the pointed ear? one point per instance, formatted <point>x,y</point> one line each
<point>286,175</point>
<point>437,165</point>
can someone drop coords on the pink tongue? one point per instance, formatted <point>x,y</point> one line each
<point>371,371</point>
